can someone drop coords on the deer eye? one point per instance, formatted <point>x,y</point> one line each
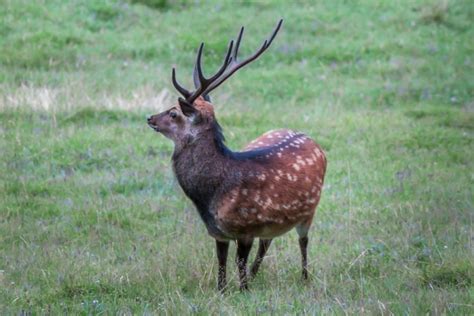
<point>173,115</point>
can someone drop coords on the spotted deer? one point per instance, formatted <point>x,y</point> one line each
<point>264,191</point>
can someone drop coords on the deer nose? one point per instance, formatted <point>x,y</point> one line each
<point>149,119</point>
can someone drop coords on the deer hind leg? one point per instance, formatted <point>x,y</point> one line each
<point>243,250</point>
<point>222,248</point>
<point>263,246</point>
<point>302,230</point>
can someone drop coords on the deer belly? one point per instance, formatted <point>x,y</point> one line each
<point>263,223</point>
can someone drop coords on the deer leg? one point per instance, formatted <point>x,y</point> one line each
<point>302,231</point>
<point>222,248</point>
<point>243,250</point>
<point>263,246</point>
<point>304,259</point>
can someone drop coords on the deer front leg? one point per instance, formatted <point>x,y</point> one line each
<point>243,250</point>
<point>222,248</point>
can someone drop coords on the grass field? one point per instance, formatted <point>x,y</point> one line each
<point>92,220</point>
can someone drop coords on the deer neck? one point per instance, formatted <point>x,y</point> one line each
<point>199,163</point>
<point>205,169</point>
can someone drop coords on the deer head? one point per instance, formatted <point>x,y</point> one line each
<point>194,115</point>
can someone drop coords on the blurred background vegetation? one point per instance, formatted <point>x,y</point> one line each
<point>92,220</point>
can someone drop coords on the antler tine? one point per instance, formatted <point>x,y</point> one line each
<point>178,87</point>
<point>237,45</point>
<point>275,32</point>
<point>201,79</point>
<point>197,84</point>
<point>198,76</point>
<point>225,64</point>
<point>234,65</point>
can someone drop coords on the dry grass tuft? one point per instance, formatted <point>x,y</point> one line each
<point>70,97</point>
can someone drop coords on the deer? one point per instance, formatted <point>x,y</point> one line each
<point>270,187</point>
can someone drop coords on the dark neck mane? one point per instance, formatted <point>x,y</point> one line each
<point>219,140</point>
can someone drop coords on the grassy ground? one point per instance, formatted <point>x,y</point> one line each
<point>92,220</point>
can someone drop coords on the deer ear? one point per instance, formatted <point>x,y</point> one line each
<point>186,107</point>
<point>190,111</point>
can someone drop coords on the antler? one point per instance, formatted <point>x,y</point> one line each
<point>229,67</point>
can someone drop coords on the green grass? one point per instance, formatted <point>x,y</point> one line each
<point>92,220</point>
